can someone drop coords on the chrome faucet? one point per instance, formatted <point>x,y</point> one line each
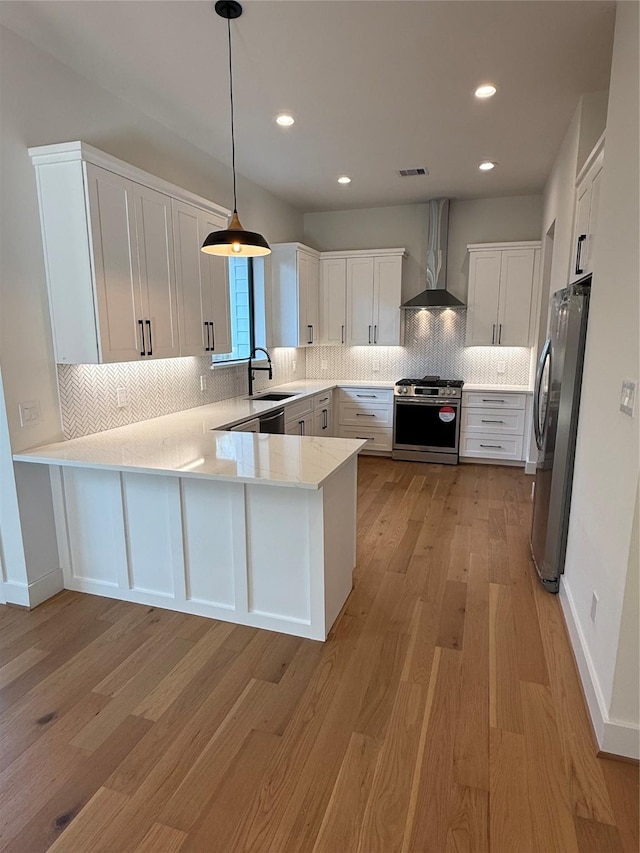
<point>251,368</point>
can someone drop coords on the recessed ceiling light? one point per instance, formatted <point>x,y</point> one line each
<point>487,166</point>
<point>344,179</point>
<point>285,120</point>
<point>487,90</point>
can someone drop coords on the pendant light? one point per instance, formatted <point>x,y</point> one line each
<point>235,242</point>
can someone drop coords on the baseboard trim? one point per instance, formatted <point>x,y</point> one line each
<point>45,587</point>
<point>16,593</point>
<point>612,736</point>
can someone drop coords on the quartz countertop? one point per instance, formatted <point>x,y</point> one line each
<point>192,443</point>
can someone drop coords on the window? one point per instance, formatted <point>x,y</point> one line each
<point>246,305</point>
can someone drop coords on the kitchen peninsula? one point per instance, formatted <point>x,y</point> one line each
<point>176,513</point>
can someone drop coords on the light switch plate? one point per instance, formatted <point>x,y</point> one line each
<point>628,397</point>
<point>375,366</point>
<point>203,383</point>
<point>29,413</point>
<point>122,398</point>
<point>501,367</point>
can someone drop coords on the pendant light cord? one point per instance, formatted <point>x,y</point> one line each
<point>233,138</point>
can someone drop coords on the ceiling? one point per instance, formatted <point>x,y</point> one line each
<point>374,86</point>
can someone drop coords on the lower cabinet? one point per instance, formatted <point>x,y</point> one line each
<point>367,413</point>
<point>298,417</point>
<point>493,426</point>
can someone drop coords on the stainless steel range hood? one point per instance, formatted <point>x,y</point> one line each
<point>436,295</point>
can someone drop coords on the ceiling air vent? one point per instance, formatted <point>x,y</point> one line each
<point>412,173</point>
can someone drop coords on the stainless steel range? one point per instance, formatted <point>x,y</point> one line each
<point>426,419</point>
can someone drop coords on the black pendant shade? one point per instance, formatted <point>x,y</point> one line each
<point>234,242</point>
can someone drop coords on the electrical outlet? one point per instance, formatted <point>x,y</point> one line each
<point>594,606</point>
<point>324,365</point>
<point>628,397</point>
<point>29,413</point>
<point>375,366</point>
<point>294,364</point>
<point>203,383</point>
<point>122,398</point>
<point>501,367</point>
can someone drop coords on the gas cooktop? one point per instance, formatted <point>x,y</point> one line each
<point>432,382</point>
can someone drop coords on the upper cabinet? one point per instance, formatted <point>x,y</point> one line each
<point>586,213</point>
<point>203,284</point>
<point>124,278</point>
<point>333,300</point>
<point>295,271</point>
<point>503,288</point>
<point>360,297</point>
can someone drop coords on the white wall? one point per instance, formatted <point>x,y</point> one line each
<point>44,101</point>
<point>607,465</point>
<point>470,221</point>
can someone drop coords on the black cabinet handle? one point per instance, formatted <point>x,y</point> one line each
<point>343,334</point>
<point>362,415</point>
<point>493,334</point>
<point>310,335</point>
<point>368,396</point>
<point>150,350</point>
<point>143,350</point>
<point>494,446</point>
<point>369,334</point>
<point>492,400</point>
<point>581,240</point>
<point>365,437</point>
<point>500,333</point>
<point>206,331</point>
<point>375,334</point>
<point>491,422</point>
<point>213,335</point>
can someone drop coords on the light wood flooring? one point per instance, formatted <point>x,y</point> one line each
<point>443,714</point>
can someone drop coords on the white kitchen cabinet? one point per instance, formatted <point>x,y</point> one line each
<point>367,413</point>
<point>374,294</point>
<point>503,283</point>
<point>586,213</point>
<point>493,425</point>
<point>333,300</point>
<point>295,272</point>
<point>323,414</point>
<point>203,284</point>
<point>108,241</point>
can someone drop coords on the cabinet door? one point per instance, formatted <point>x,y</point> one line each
<point>333,300</point>
<point>115,263</point>
<point>387,278</point>
<point>215,275</point>
<point>581,232</point>
<point>308,295</point>
<point>360,294</point>
<point>593,218</point>
<point>516,289</point>
<point>193,304</point>
<point>157,276</point>
<point>322,422</point>
<point>482,302</point>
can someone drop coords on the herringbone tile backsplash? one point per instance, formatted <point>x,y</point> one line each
<point>89,392</point>
<point>433,344</point>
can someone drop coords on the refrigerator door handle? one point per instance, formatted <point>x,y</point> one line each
<point>537,427</point>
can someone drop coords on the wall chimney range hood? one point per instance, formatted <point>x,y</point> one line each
<point>436,295</point>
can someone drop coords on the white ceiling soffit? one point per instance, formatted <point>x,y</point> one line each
<point>374,86</point>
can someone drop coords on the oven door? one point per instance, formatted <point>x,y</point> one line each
<point>432,424</point>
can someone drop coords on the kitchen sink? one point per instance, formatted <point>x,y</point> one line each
<point>275,395</point>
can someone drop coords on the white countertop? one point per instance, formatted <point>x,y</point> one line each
<point>190,444</point>
<point>518,389</point>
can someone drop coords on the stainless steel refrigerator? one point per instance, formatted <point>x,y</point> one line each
<point>556,403</point>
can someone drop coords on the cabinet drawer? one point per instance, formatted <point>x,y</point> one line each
<point>355,414</point>
<point>297,410</point>
<point>491,446</point>
<point>323,400</point>
<point>377,439</point>
<point>493,400</point>
<point>366,395</point>
<point>501,421</point>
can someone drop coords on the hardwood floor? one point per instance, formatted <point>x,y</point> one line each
<point>443,714</point>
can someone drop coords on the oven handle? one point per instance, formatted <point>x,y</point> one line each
<point>427,401</point>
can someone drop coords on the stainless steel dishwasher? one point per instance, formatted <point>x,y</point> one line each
<point>273,422</point>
